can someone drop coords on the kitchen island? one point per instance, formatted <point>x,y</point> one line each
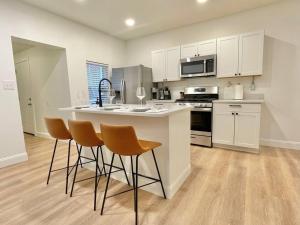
<point>169,126</point>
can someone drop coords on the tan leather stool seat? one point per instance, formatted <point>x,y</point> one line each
<point>148,145</point>
<point>57,128</point>
<point>84,134</point>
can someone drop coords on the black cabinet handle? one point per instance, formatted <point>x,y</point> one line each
<point>232,114</point>
<point>237,114</point>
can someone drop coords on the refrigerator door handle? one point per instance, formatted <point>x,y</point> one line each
<point>123,91</point>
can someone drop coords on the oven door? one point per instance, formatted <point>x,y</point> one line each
<point>190,68</point>
<point>201,121</point>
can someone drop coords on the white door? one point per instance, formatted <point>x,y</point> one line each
<point>228,56</point>
<point>251,49</point>
<point>247,126</point>
<point>25,97</point>
<point>189,50</point>
<point>207,47</point>
<point>173,63</point>
<point>158,65</point>
<point>223,128</point>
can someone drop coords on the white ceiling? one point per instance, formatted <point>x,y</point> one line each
<point>151,15</point>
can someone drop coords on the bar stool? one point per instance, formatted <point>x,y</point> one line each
<point>58,130</point>
<point>122,140</point>
<point>84,134</point>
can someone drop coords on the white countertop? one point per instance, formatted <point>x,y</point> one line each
<point>161,101</point>
<point>243,101</point>
<point>126,110</point>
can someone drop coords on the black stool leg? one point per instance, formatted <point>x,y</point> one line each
<point>124,170</point>
<point>133,181</point>
<point>136,190</point>
<point>75,173</point>
<point>96,159</point>
<point>96,179</point>
<point>105,193</point>
<point>78,153</point>
<point>50,169</point>
<point>103,161</point>
<point>162,186</point>
<point>68,164</point>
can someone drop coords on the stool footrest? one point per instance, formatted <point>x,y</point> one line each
<point>122,192</point>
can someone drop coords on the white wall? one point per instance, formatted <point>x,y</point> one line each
<point>81,44</point>
<point>281,79</point>
<point>49,83</point>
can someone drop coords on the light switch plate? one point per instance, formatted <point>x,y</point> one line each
<point>9,85</point>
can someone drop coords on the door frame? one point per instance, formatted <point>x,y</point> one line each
<point>26,59</point>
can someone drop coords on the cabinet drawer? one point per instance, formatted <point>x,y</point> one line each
<point>236,107</point>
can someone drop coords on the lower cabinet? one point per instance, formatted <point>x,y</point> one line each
<point>237,126</point>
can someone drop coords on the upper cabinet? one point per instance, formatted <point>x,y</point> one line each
<point>173,64</point>
<point>190,50</point>
<point>199,49</point>
<point>158,65</point>
<point>240,55</point>
<point>251,52</point>
<point>166,64</point>
<point>228,56</point>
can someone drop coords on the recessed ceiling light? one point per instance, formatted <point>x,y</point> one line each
<point>80,1</point>
<point>201,1</point>
<point>130,22</point>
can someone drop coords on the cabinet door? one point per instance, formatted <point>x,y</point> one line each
<point>190,50</point>
<point>207,47</point>
<point>223,128</point>
<point>172,63</point>
<point>228,56</point>
<point>247,126</point>
<point>158,65</point>
<point>251,48</point>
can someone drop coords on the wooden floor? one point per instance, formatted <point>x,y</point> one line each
<point>224,188</point>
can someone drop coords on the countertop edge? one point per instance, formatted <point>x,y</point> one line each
<point>243,101</point>
<point>137,114</point>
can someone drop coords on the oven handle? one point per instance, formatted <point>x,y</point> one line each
<point>202,109</point>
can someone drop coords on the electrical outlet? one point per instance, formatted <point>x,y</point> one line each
<point>8,85</point>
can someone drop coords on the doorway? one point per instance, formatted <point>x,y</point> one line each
<point>25,96</point>
<point>42,82</point>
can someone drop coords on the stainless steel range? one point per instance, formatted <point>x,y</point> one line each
<point>201,115</point>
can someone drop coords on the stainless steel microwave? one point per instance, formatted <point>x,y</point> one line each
<point>198,66</point>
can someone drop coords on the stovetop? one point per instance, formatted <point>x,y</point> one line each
<point>199,96</point>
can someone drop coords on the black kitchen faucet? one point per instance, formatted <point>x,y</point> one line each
<point>99,90</point>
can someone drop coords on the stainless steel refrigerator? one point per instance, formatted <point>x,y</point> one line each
<point>126,80</point>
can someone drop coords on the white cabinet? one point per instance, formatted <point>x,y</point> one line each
<point>207,47</point>
<point>165,64</point>
<point>190,50</point>
<point>228,56</point>
<point>158,65</point>
<point>199,49</point>
<point>173,64</point>
<point>240,55</point>
<point>236,125</point>
<point>251,49</point>
<point>223,121</point>
<point>247,130</point>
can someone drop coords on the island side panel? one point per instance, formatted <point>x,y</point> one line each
<point>179,142</point>
<point>149,128</point>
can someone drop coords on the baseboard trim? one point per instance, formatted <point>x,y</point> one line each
<point>43,135</point>
<point>14,159</point>
<point>280,144</point>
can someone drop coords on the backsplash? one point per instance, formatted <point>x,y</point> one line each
<point>178,86</point>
